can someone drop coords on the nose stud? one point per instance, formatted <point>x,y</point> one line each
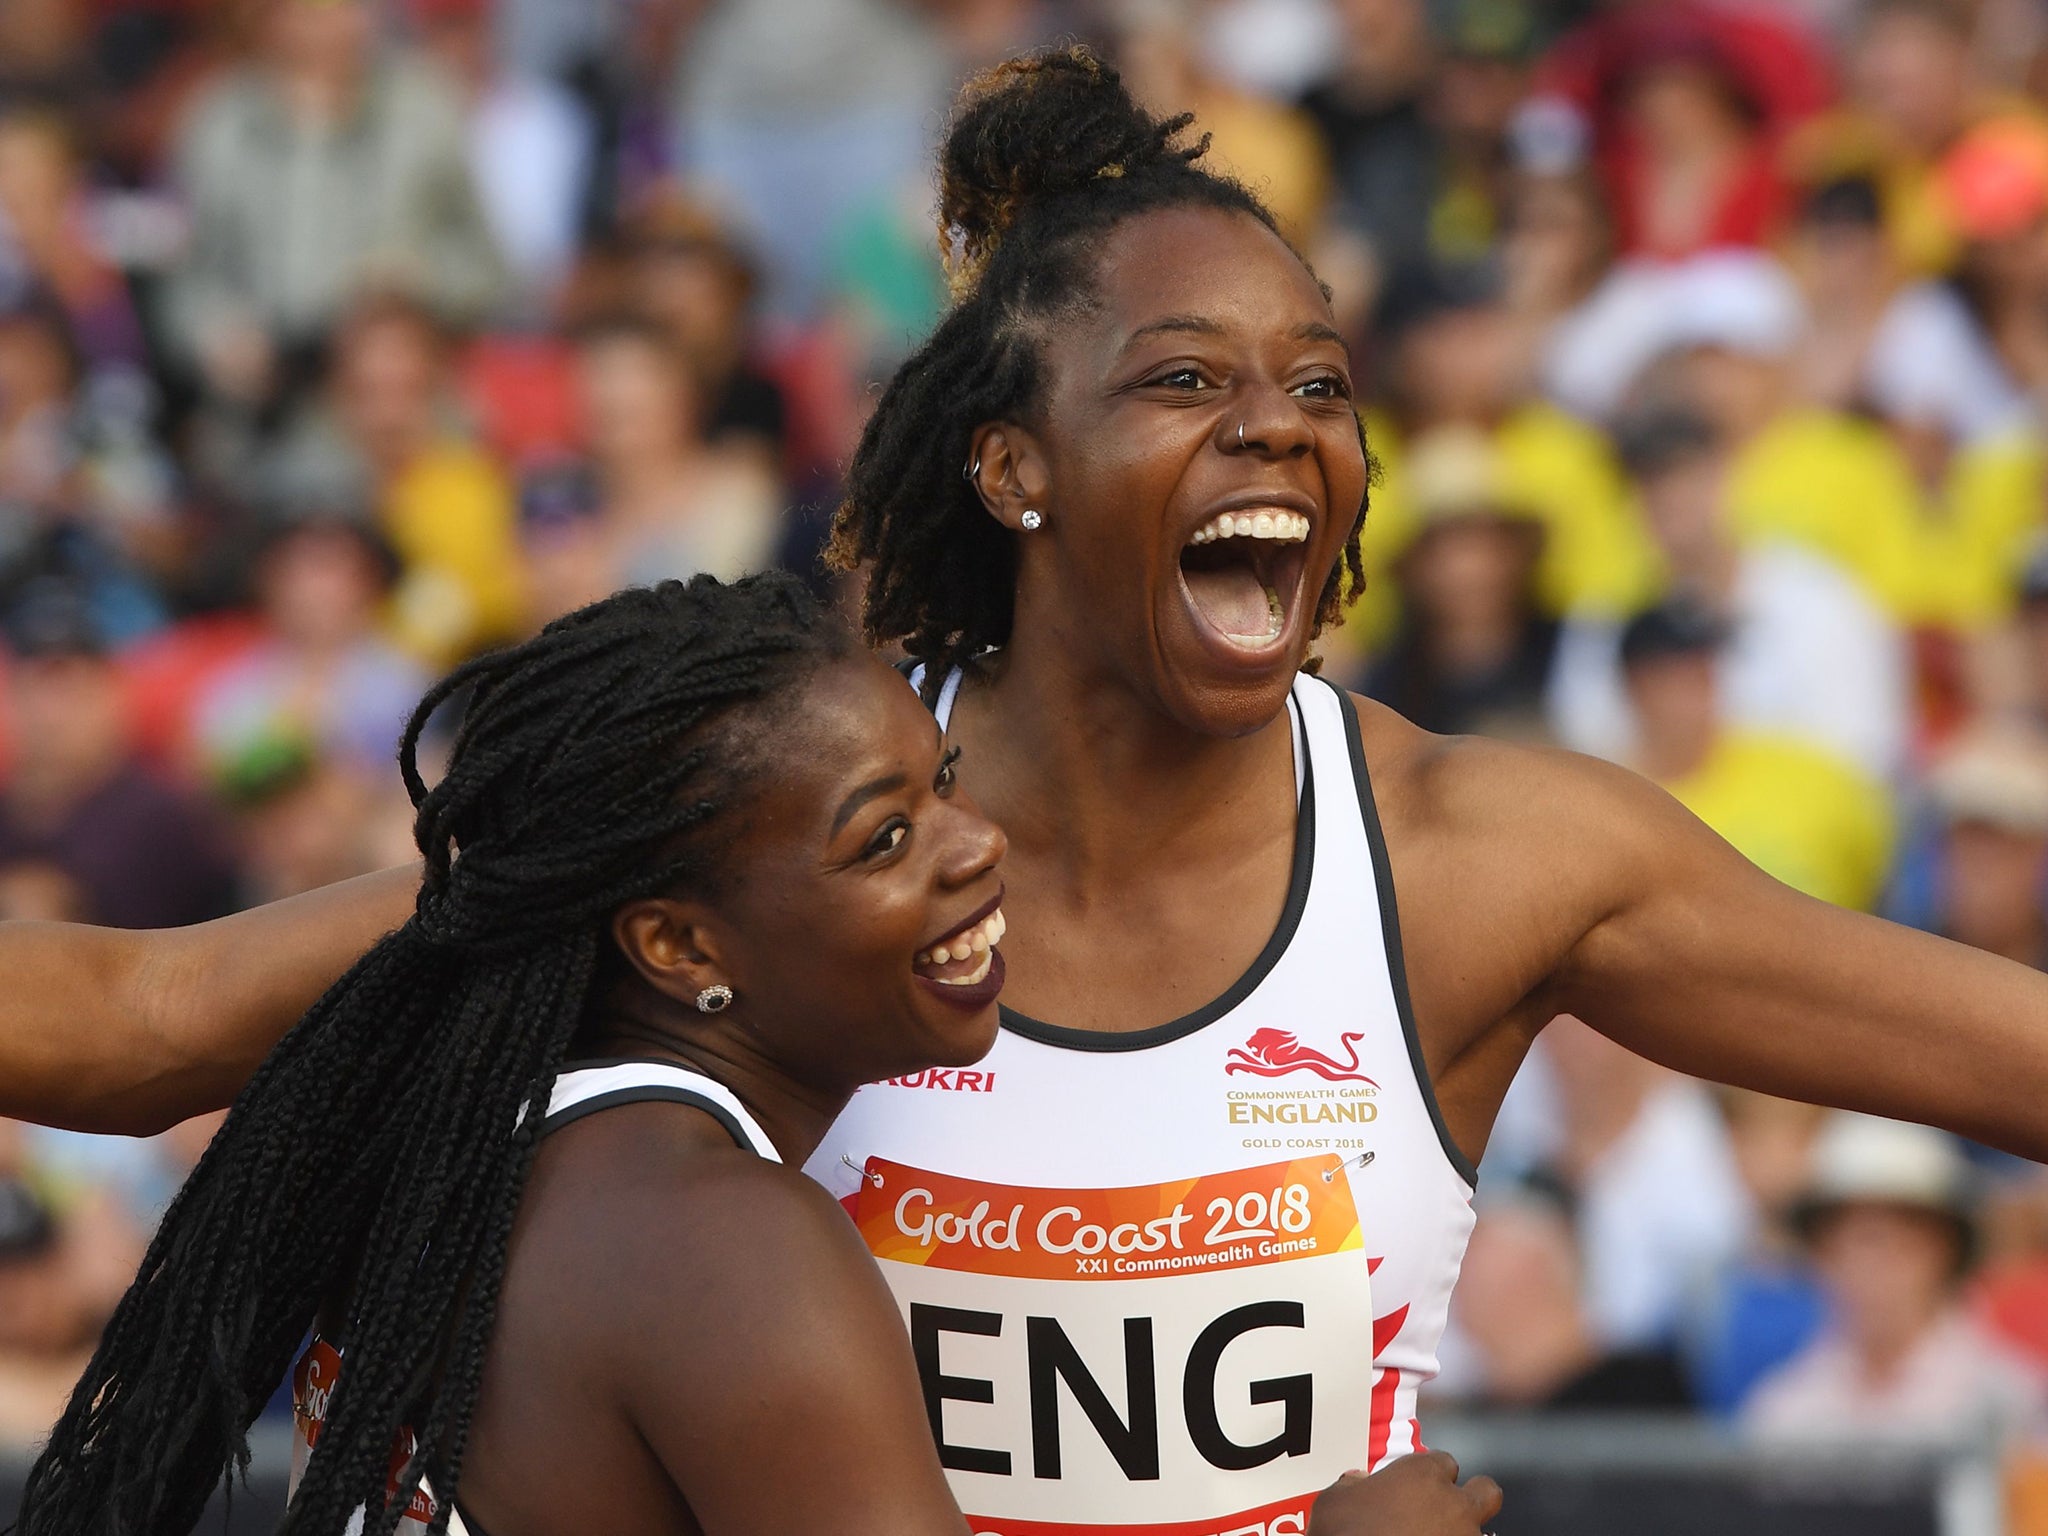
<point>1240,435</point>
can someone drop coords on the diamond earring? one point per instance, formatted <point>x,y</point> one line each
<point>715,998</point>
<point>1031,521</point>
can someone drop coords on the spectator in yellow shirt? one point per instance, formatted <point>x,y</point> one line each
<point>1797,811</point>
<point>1451,344</point>
<point>1913,91</point>
<point>386,434</point>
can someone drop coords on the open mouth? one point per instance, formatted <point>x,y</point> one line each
<point>964,957</point>
<point>1242,573</point>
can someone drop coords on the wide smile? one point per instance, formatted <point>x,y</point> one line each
<point>962,966</point>
<point>1241,574</point>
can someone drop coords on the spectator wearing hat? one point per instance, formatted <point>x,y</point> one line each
<point>1889,1223</point>
<point>1801,814</point>
<point>1830,481</point>
<point>1990,793</point>
<point>1806,656</point>
<point>1682,106</point>
<point>1455,359</point>
<point>76,798</point>
<point>1473,651</point>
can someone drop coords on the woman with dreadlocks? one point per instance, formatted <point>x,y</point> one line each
<point>696,863</point>
<point>1279,953</point>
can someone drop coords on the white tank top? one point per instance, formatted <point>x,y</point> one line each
<point>1180,1279</point>
<point>585,1089</point>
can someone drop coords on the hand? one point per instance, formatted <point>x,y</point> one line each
<point>1416,1496</point>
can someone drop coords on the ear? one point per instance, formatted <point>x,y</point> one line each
<point>1007,469</point>
<point>673,945</point>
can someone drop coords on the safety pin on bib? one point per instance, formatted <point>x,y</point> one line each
<point>868,1174</point>
<point>1359,1161</point>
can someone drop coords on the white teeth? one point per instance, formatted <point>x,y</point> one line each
<point>1286,527</point>
<point>978,940</point>
<point>979,973</point>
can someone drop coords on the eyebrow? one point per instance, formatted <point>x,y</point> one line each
<point>1317,330</point>
<point>888,784</point>
<point>1196,325</point>
<point>1184,325</point>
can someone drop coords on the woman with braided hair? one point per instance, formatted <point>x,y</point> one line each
<point>1183,1245</point>
<point>696,863</point>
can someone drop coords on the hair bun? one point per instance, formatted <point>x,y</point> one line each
<point>1032,128</point>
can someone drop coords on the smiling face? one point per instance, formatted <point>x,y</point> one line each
<point>1199,469</point>
<point>857,860</point>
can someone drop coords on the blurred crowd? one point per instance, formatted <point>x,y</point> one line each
<point>1703,345</point>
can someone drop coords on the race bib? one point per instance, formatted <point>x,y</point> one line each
<point>1183,1359</point>
<point>313,1380</point>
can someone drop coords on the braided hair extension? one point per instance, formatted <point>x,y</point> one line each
<point>1045,154</point>
<point>388,1136</point>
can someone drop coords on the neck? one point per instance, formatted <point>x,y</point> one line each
<point>795,1115</point>
<point>1091,779</point>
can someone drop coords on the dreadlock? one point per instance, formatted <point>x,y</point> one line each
<point>1044,155</point>
<point>389,1135</point>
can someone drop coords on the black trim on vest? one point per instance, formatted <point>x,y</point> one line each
<point>1245,985</point>
<point>1390,932</point>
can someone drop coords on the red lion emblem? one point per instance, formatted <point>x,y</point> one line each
<point>1276,1053</point>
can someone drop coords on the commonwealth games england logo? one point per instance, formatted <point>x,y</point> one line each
<point>1278,1053</point>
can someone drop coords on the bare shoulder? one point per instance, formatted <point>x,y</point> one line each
<point>1472,787</point>
<point>652,1197</point>
<point>1535,849</point>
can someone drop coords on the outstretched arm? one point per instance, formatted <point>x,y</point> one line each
<point>106,1029</point>
<point>1695,958</point>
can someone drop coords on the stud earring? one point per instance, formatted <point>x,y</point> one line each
<point>715,998</point>
<point>1031,521</point>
